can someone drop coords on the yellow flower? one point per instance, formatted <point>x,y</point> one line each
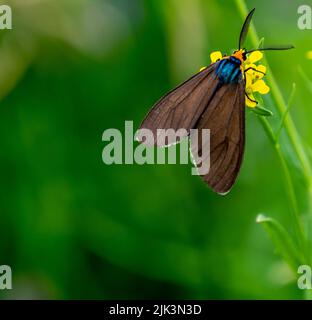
<point>254,57</point>
<point>215,56</point>
<point>254,75</point>
<point>257,72</point>
<point>309,55</point>
<point>254,85</point>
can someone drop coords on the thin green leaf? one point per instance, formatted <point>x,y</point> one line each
<point>289,105</point>
<point>261,42</point>
<point>262,111</point>
<point>282,241</point>
<point>307,80</point>
<point>268,129</point>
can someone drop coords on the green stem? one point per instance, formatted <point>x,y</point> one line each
<point>289,105</point>
<point>282,107</point>
<point>295,142</point>
<point>296,222</point>
<point>306,79</point>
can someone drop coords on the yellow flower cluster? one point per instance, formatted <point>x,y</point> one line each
<point>254,81</point>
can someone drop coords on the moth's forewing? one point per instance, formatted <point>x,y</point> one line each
<point>181,108</point>
<point>225,117</point>
<point>203,103</point>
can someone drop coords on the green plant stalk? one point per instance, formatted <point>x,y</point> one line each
<point>300,236</point>
<point>306,79</point>
<point>282,107</point>
<point>289,105</point>
<point>308,83</point>
<point>294,139</point>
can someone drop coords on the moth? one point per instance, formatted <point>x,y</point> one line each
<point>212,99</point>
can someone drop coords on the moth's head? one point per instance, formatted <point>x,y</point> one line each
<point>240,54</point>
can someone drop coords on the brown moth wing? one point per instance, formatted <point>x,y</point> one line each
<point>225,117</point>
<point>182,107</point>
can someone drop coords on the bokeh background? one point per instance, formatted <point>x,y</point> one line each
<point>72,227</point>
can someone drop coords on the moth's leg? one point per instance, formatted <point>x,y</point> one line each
<point>251,68</point>
<point>250,98</point>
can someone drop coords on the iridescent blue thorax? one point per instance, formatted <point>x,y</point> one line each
<point>228,70</point>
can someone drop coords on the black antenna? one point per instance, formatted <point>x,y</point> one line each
<point>245,28</point>
<point>282,47</point>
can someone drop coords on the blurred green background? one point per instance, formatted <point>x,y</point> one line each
<point>72,227</point>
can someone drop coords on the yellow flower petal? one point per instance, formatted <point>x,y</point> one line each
<point>309,55</point>
<point>250,65</point>
<point>249,79</point>
<point>249,103</point>
<point>261,87</point>
<point>261,74</point>
<point>215,56</point>
<point>255,56</point>
<point>255,74</point>
<point>262,68</point>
